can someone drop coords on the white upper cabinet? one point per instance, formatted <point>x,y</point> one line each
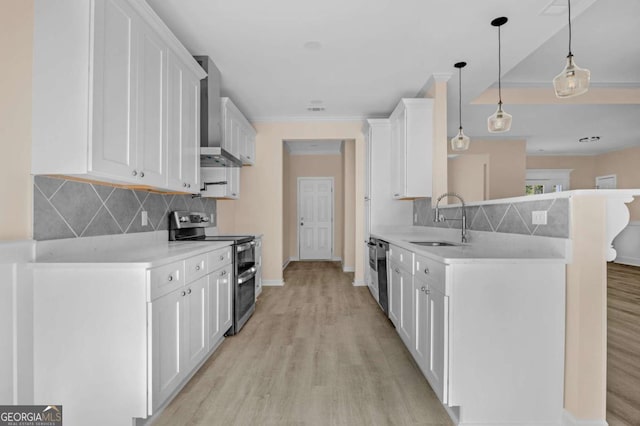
<point>412,148</point>
<point>183,122</point>
<point>238,135</point>
<point>221,182</point>
<point>102,93</point>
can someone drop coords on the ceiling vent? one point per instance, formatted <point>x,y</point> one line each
<point>315,108</point>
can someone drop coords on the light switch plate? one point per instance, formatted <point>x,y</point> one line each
<point>539,217</point>
<point>145,218</point>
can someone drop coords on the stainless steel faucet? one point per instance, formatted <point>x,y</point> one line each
<point>438,218</point>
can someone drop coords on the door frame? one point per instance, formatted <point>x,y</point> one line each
<point>333,206</point>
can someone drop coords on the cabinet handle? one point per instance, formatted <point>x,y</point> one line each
<point>189,291</point>
<point>134,173</point>
<point>397,271</point>
<point>183,293</point>
<point>141,174</point>
<point>423,288</point>
<point>223,273</point>
<point>221,257</point>
<point>184,184</point>
<point>234,194</point>
<point>188,185</point>
<point>197,267</point>
<point>170,278</point>
<point>427,291</point>
<point>396,195</point>
<point>426,271</point>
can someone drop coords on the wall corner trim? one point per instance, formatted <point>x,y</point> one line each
<point>359,283</point>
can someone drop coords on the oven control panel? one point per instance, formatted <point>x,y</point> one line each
<point>186,219</point>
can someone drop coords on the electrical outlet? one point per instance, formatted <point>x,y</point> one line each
<point>145,218</point>
<point>539,217</point>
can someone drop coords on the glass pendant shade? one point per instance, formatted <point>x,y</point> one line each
<point>460,142</point>
<point>572,81</point>
<point>500,121</point>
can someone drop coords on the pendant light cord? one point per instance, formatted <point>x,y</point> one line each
<point>569,13</point>
<point>499,66</point>
<point>460,96</point>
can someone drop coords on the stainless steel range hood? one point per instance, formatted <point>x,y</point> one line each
<point>211,152</point>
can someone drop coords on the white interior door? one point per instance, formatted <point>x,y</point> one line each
<point>315,218</point>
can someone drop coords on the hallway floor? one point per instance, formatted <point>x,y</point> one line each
<point>317,351</point>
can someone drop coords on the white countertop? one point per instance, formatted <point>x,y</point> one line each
<point>136,251</point>
<point>481,248</point>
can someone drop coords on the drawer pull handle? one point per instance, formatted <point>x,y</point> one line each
<point>170,278</point>
<point>397,271</point>
<point>141,174</point>
<point>183,293</point>
<point>223,273</point>
<point>221,257</point>
<point>423,288</point>
<point>426,271</point>
<point>189,291</point>
<point>197,267</point>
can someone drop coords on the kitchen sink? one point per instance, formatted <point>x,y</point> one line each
<point>433,243</point>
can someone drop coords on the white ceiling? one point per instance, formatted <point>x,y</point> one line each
<point>373,52</point>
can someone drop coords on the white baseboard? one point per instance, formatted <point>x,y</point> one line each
<point>348,268</point>
<point>569,420</point>
<point>359,283</point>
<point>336,259</point>
<point>272,283</point>
<point>632,261</point>
<point>288,261</point>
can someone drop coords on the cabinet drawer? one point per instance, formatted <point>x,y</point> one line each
<point>195,267</point>
<point>219,258</point>
<point>430,271</point>
<point>402,257</point>
<point>165,279</point>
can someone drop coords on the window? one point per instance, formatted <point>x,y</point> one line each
<point>542,181</point>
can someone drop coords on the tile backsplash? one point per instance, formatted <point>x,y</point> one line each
<point>510,218</point>
<point>67,209</point>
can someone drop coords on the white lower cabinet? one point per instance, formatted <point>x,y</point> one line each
<point>126,334</point>
<point>488,336</point>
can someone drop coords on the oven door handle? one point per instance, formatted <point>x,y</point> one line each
<point>245,246</point>
<point>247,275</point>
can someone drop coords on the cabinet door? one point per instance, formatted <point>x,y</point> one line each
<point>175,76</point>
<point>167,319</point>
<point>422,343</point>
<point>395,298</point>
<point>225,308</point>
<point>151,108</point>
<point>439,336</point>
<point>233,185</point>
<point>191,134</point>
<point>406,309</point>
<point>114,136</point>
<point>214,308</point>
<point>398,154</point>
<point>197,337</point>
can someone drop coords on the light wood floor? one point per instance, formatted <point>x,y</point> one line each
<point>623,345</point>
<point>317,351</point>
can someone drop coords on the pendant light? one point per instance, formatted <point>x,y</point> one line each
<point>573,80</point>
<point>500,121</point>
<point>460,142</point>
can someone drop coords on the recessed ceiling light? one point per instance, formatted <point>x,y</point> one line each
<point>589,139</point>
<point>313,45</point>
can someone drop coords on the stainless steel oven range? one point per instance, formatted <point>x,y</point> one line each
<point>190,226</point>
